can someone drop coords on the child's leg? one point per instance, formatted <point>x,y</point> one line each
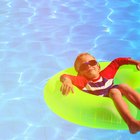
<point>116,96</point>
<point>130,94</point>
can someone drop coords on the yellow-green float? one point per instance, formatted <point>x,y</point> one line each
<point>89,110</point>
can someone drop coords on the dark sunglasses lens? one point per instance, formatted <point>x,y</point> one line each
<point>92,62</point>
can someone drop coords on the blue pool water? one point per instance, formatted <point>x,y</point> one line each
<point>39,39</point>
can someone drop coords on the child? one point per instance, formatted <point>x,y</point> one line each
<point>91,80</point>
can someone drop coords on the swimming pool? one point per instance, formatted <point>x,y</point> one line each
<point>39,39</point>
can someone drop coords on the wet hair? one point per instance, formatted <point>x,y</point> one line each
<point>78,57</point>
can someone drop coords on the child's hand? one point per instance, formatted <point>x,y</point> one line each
<point>66,87</point>
<point>138,66</point>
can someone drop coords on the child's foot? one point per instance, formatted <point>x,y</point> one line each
<point>135,127</point>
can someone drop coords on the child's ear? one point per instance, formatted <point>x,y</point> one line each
<point>79,73</point>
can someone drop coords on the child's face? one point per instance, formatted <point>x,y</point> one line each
<point>88,67</point>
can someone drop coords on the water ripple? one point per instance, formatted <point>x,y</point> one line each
<point>33,9</point>
<point>109,15</point>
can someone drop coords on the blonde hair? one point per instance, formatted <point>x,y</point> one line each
<point>78,57</point>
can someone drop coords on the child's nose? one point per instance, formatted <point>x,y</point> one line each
<point>89,66</point>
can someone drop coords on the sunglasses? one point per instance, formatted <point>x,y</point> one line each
<point>84,66</point>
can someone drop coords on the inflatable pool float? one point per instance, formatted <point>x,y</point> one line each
<point>89,110</point>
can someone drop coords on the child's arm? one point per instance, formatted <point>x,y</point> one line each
<point>66,86</point>
<point>111,69</point>
<point>134,62</point>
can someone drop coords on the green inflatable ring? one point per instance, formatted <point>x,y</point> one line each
<point>90,110</point>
